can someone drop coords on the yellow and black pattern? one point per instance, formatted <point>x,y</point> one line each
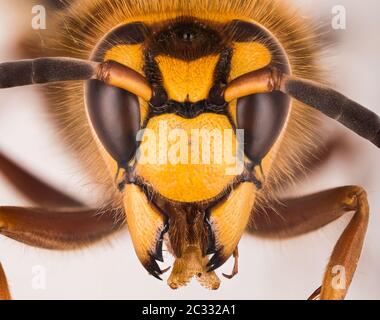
<point>188,50</point>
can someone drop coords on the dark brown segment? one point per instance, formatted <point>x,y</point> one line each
<point>61,69</point>
<point>33,188</point>
<point>336,106</point>
<point>44,70</point>
<point>262,117</point>
<point>115,116</point>
<point>13,74</point>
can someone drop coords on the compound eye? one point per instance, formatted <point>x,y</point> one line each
<point>262,117</point>
<point>115,116</point>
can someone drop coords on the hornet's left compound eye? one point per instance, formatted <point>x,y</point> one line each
<point>115,117</point>
<point>262,117</point>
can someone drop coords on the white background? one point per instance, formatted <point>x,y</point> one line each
<point>268,269</point>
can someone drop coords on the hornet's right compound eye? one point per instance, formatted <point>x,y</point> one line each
<point>115,113</point>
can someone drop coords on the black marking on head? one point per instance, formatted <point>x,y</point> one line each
<point>127,34</point>
<point>223,68</point>
<point>160,104</point>
<point>211,243</point>
<point>188,110</point>
<point>152,71</point>
<point>158,254</point>
<point>243,31</point>
<point>186,38</point>
<point>221,74</point>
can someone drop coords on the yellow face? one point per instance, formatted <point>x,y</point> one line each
<point>191,81</point>
<point>189,174</point>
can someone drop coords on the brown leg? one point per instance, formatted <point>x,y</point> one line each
<point>235,269</point>
<point>32,188</point>
<point>4,290</point>
<point>60,230</point>
<point>299,216</point>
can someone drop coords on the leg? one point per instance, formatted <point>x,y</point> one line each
<point>235,269</point>
<point>59,230</point>
<point>34,189</point>
<point>66,229</point>
<point>299,216</point>
<point>4,290</point>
